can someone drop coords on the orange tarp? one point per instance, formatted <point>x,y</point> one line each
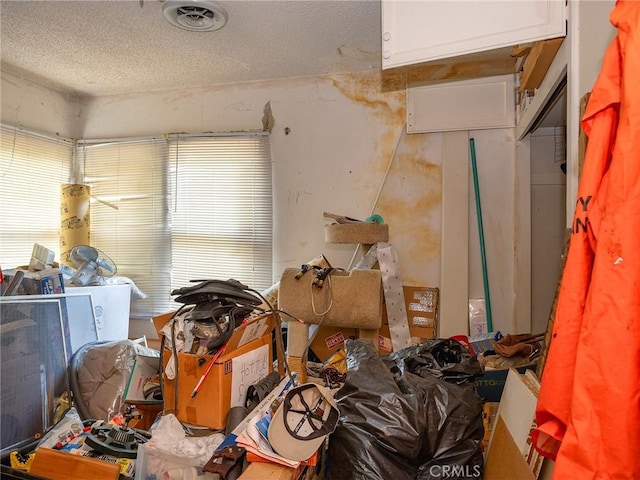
<point>588,411</point>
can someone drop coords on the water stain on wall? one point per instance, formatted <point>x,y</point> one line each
<point>413,199</point>
<point>366,89</point>
<point>410,200</point>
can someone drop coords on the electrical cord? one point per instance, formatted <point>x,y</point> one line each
<point>328,295</point>
<point>279,339</point>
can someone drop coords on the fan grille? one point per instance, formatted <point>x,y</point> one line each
<point>200,16</point>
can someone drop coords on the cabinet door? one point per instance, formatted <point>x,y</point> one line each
<point>416,31</point>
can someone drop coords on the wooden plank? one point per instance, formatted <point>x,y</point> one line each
<point>57,465</point>
<point>542,360</point>
<point>521,50</point>
<point>583,140</point>
<point>454,243</point>
<point>538,62</point>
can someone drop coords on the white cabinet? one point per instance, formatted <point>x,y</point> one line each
<point>416,31</point>
<point>477,104</point>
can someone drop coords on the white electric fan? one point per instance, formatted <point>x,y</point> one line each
<point>90,263</point>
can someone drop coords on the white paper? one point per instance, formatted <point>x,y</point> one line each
<point>248,369</point>
<point>254,330</point>
<point>253,441</point>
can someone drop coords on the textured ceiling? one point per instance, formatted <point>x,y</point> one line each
<point>96,47</point>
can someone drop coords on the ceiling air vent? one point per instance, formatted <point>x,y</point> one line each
<point>195,15</point>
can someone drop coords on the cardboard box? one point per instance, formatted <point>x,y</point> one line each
<point>44,282</point>
<point>484,341</point>
<point>247,359</point>
<point>504,460</point>
<point>510,453</point>
<point>421,304</point>
<point>422,308</point>
<point>330,339</point>
<point>491,384</point>
<point>270,471</point>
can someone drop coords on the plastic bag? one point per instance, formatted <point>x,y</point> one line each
<point>100,373</point>
<point>70,424</point>
<point>477,316</point>
<point>442,358</point>
<point>398,425</point>
<point>172,454</point>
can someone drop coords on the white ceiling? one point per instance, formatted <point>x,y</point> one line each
<point>97,47</point>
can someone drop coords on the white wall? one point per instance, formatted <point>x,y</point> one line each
<point>595,33</point>
<point>24,103</point>
<point>495,152</point>
<point>548,193</point>
<point>342,131</point>
<point>591,32</point>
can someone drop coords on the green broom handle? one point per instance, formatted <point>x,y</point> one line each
<point>483,256</point>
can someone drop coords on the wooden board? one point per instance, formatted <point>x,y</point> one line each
<point>538,62</point>
<point>583,140</point>
<point>517,412</point>
<point>542,360</point>
<point>56,465</point>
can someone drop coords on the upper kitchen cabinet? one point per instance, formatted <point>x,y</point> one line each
<point>421,31</point>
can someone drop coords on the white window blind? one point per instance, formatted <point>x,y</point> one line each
<point>221,208</point>
<point>32,170</point>
<point>130,215</point>
<point>185,208</point>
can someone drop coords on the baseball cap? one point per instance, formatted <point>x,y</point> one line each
<point>303,420</point>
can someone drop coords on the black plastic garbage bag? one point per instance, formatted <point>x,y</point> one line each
<point>442,358</point>
<point>396,425</point>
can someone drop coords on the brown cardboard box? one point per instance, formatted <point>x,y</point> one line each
<point>422,310</point>
<point>329,339</point>
<point>504,460</point>
<point>247,358</point>
<point>421,304</point>
<point>270,471</point>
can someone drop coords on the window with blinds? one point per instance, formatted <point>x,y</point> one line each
<point>183,208</point>
<point>130,219</point>
<point>32,170</point>
<point>221,209</point>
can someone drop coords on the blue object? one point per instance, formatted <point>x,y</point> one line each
<point>374,219</point>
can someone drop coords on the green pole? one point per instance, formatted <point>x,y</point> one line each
<point>483,256</point>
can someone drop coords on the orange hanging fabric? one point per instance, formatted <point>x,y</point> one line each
<point>588,411</point>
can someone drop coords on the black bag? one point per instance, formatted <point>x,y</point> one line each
<point>399,421</point>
